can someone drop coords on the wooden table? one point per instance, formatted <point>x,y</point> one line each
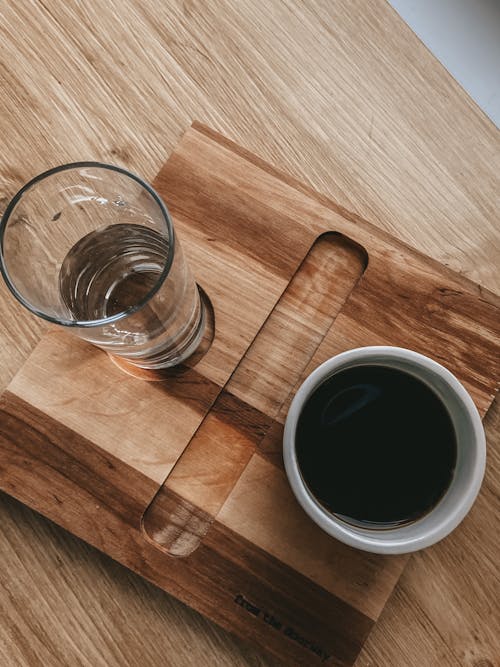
<point>340,94</point>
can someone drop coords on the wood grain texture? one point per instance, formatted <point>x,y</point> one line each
<point>395,275</point>
<point>93,399</point>
<point>340,94</point>
<point>228,578</point>
<point>261,383</point>
<point>223,532</point>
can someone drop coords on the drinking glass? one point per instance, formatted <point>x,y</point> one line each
<point>92,247</point>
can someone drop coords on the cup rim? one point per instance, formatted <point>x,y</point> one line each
<point>105,320</point>
<point>387,541</point>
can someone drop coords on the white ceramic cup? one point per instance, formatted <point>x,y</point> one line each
<point>469,469</point>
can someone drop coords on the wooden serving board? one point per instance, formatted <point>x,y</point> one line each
<point>182,480</point>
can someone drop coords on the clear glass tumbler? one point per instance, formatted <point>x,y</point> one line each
<point>91,247</point>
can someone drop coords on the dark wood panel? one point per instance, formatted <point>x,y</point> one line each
<point>404,304</point>
<point>227,578</point>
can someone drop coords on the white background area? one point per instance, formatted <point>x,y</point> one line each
<point>465,36</point>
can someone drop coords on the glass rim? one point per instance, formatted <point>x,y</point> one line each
<point>105,320</point>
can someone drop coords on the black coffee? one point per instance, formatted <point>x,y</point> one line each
<point>376,446</point>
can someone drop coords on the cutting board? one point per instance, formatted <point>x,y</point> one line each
<point>181,479</point>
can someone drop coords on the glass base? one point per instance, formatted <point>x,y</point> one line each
<point>194,349</point>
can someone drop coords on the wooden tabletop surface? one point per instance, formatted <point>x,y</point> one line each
<point>338,93</point>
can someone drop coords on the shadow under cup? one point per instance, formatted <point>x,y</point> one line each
<point>470,454</point>
<point>91,247</point>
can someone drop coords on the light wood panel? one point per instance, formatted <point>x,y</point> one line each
<point>93,399</point>
<point>341,94</point>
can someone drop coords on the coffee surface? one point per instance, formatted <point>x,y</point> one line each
<point>375,445</point>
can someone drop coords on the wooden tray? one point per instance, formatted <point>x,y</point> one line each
<point>182,480</point>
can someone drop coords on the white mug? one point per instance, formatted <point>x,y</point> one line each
<point>469,470</point>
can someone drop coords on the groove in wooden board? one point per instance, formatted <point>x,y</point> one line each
<point>99,498</point>
<point>212,462</point>
<point>176,525</point>
<point>301,318</point>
